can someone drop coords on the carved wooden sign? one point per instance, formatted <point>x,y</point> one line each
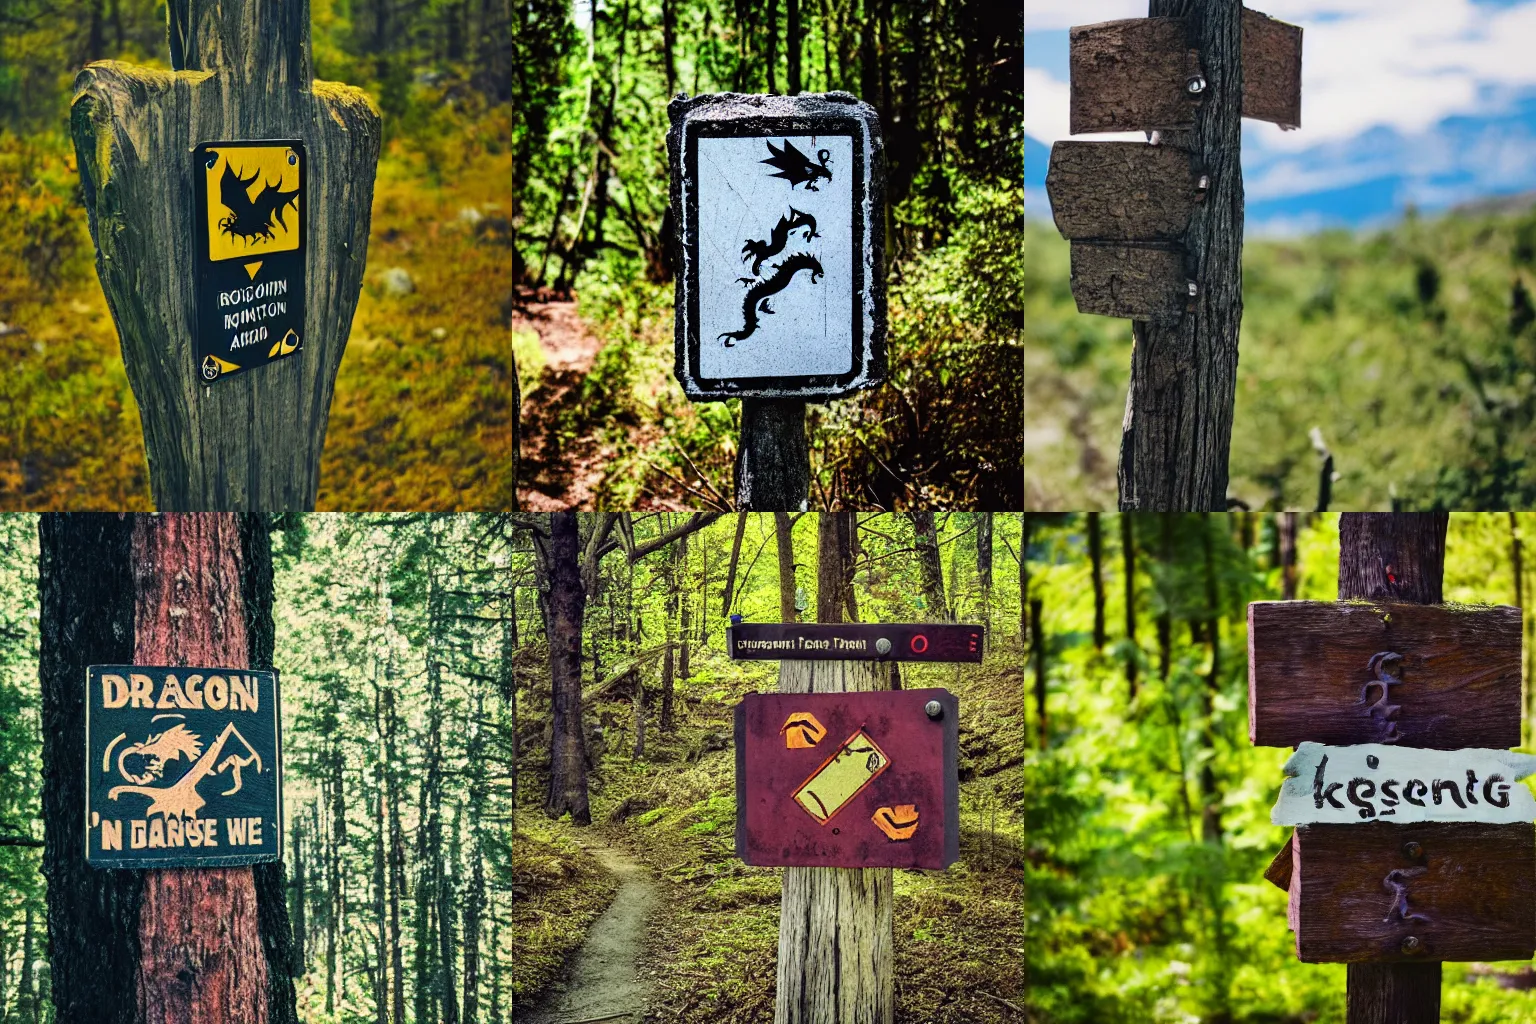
<point>848,779</point>
<point>183,767</point>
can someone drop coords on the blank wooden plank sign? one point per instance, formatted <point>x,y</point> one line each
<point>1140,282</point>
<point>1431,891</point>
<point>1133,75</point>
<point>1121,191</point>
<point>1271,70</point>
<point>1340,673</point>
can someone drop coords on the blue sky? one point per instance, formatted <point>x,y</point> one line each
<point>1431,102</point>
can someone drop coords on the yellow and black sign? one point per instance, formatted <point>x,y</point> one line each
<point>251,217</point>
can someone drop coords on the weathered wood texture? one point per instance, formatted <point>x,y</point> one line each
<point>1396,993</point>
<point>1177,431</point>
<point>1144,282</point>
<point>1132,75</point>
<point>1466,895</point>
<point>251,442</point>
<point>1271,70</point>
<point>1121,191</point>
<point>1313,674</point>
<point>773,468</point>
<point>836,944</point>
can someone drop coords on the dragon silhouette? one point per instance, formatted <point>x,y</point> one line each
<point>252,219</point>
<point>795,167</point>
<point>758,293</point>
<point>756,252</point>
<point>181,799</point>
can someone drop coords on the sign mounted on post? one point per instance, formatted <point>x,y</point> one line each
<point>183,767</point>
<point>920,641</point>
<point>875,784</point>
<point>781,284</point>
<point>249,219</point>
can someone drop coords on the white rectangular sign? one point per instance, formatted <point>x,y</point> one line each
<point>1382,782</point>
<point>780,289</point>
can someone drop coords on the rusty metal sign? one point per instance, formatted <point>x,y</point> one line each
<point>874,784</point>
<point>183,767</point>
<point>1271,70</point>
<point>855,641</point>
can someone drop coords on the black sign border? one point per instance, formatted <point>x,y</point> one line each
<point>222,860</point>
<point>200,241</point>
<point>868,352</point>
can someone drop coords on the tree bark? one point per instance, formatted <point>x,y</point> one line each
<point>1037,651</point>
<point>984,563</point>
<point>684,609</point>
<point>1386,556</point>
<point>929,565</point>
<point>1024,581</point>
<point>834,560</point>
<point>1287,526</point>
<point>730,576</point>
<point>396,863</point>
<point>1128,557</point>
<point>567,601</point>
<point>1178,415</point>
<point>773,467</point>
<point>1165,620</point>
<point>783,527</point>
<point>1096,558</point>
<point>1210,793</point>
<point>792,44</point>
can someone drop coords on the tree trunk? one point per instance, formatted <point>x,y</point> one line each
<point>730,575</point>
<point>930,566</point>
<point>669,637</point>
<point>1386,556</point>
<point>783,527</point>
<point>396,862</point>
<point>984,563</point>
<point>380,873</point>
<point>1178,411</point>
<point>1037,651</point>
<point>668,41</point>
<point>684,608</point>
<point>1024,581</point>
<point>473,903</point>
<point>1287,526</point>
<point>792,43</point>
<point>122,943</point>
<point>1210,794</point>
<point>1165,620</point>
<point>297,901</point>
<point>1096,557</point>
<point>834,560</point>
<point>773,465</point>
<point>1128,557</point>
<point>567,605</point>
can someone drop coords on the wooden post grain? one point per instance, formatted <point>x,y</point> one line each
<point>773,467</point>
<point>1177,429</point>
<point>241,72</point>
<point>1396,557</point>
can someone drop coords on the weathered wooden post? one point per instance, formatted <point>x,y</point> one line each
<point>779,202</point>
<point>1157,229</point>
<point>1414,841</point>
<point>838,782</point>
<point>229,200</point>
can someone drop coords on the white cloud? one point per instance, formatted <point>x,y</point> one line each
<point>1043,15</point>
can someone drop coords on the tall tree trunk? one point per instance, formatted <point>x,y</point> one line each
<point>380,875</point>
<point>783,527</point>
<point>474,901</point>
<point>152,590</point>
<point>507,679</point>
<point>26,992</point>
<point>848,538</point>
<point>669,636</point>
<point>1037,650</point>
<point>300,897</point>
<point>792,43</point>
<point>567,604</point>
<point>1096,558</point>
<point>396,862</point>
<point>833,563</point>
<point>668,41</point>
<point>1287,526</point>
<point>1165,620</point>
<point>684,608</point>
<point>1386,556</point>
<point>984,563</point>
<point>1128,557</point>
<point>1210,794</point>
<point>929,565</point>
<point>730,576</point>
<point>1024,580</point>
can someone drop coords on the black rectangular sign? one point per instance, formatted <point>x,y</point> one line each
<point>912,641</point>
<point>250,218</point>
<point>183,767</point>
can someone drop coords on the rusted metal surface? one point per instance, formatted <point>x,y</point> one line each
<point>1121,191</point>
<point>1362,672</point>
<point>1424,892</point>
<point>1139,282</point>
<point>854,641</point>
<point>1271,70</point>
<point>878,788</point>
<point>1133,75</point>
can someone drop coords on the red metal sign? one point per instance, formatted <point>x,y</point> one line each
<point>853,780</point>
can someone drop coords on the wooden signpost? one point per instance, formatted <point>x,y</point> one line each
<point>1156,228</point>
<point>781,278</point>
<point>229,200</point>
<point>1414,842</point>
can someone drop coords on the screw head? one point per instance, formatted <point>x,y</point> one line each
<point>1195,86</point>
<point>1194,289</point>
<point>1413,851</point>
<point>1411,944</point>
<point>882,645</point>
<point>934,709</point>
<point>1205,182</point>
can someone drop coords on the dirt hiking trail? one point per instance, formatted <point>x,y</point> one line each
<point>553,477</point>
<point>603,979</point>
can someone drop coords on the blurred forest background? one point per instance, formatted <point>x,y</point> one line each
<point>421,417</point>
<point>1148,810</point>
<point>1401,359</point>
<point>604,421</point>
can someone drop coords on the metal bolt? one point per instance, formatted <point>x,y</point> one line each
<point>1156,139</point>
<point>1195,85</point>
<point>882,646</point>
<point>934,709</point>
<point>1194,289</point>
<point>1413,851</point>
<point>1411,944</point>
<point>1205,182</point>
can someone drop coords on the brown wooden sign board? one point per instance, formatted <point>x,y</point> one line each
<point>1132,75</point>
<point>1271,70</point>
<point>1139,282</point>
<point>1340,673</point>
<point>1430,891</point>
<point>1121,191</point>
<point>855,641</point>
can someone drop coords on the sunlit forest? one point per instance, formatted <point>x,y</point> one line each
<point>1147,810</point>
<point>605,424</point>
<point>1406,354</point>
<point>421,417</point>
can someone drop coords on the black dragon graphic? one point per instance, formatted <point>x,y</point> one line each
<point>252,219</point>
<point>756,252</point>
<point>756,300</point>
<point>795,167</point>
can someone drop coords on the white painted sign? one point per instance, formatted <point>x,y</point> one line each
<point>1382,782</point>
<point>780,291</point>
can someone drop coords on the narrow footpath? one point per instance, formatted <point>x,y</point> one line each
<point>603,982</point>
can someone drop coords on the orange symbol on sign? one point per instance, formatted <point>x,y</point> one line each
<point>899,822</point>
<point>801,730</point>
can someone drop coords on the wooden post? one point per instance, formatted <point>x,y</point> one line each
<point>1397,557</point>
<point>773,467</point>
<point>242,72</point>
